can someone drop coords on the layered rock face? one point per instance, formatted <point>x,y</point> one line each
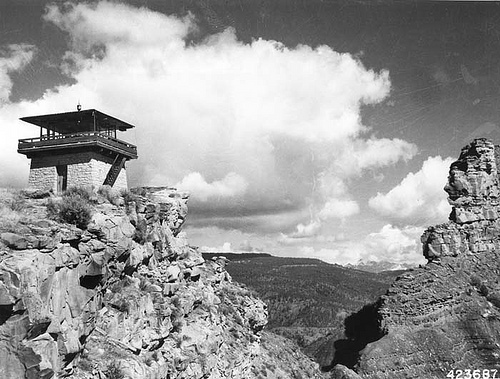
<point>446,316</point>
<point>125,298</point>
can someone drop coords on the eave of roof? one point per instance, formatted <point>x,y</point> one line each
<point>79,121</point>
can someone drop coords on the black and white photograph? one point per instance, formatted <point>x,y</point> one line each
<point>249,189</point>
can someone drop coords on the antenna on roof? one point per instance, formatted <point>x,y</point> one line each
<point>79,106</point>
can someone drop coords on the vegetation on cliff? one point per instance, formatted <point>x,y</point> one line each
<point>308,299</point>
<point>439,320</point>
<point>124,296</point>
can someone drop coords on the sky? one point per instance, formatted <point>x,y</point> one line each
<point>320,129</point>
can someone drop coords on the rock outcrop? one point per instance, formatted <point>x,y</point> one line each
<point>446,315</point>
<point>125,298</point>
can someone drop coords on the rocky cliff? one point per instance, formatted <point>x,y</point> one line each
<point>126,297</point>
<point>446,315</point>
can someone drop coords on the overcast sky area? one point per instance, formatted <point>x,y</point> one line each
<point>322,129</point>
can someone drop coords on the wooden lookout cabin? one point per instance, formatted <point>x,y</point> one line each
<point>77,149</point>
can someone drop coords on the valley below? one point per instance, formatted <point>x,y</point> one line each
<point>308,300</point>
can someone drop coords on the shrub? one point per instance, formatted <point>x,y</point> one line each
<point>110,194</point>
<point>128,196</point>
<point>475,281</point>
<point>141,231</point>
<point>53,208</point>
<point>37,194</point>
<point>71,208</point>
<point>75,210</point>
<point>113,371</point>
<point>85,192</point>
<point>483,289</point>
<point>8,218</point>
<point>17,204</point>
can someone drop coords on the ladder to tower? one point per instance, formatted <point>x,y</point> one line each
<point>114,170</point>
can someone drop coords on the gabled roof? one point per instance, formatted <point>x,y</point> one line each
<point>79,121</point>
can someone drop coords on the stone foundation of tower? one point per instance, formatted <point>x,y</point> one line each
<point>80,169</point>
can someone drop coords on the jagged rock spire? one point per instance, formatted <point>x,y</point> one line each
<point>446,314</point>
<point>473,191</point>
<point>473,183</point>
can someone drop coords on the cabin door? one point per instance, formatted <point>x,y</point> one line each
<point>62,178</point>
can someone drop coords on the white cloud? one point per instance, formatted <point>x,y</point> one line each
<point>391,244</point>
<point>231,185</point>
<point>341,209</point>
<point>396,245</point>
<point>419,199</point>
<point>383,152</point>
<point>221,108</point>
<point>245,245</point>
<point>306,230</point>
<point>339,255</point>
<point>373,153</point>
<point>15,57</point>
<point>89,25</point>
<point>225,248</point>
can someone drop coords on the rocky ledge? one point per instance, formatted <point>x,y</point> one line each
<point>446,315</point>
<point>127,297</point>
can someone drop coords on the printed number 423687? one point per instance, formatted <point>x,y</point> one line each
<point>472,374</point>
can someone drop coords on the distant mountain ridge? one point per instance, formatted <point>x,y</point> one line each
<point>380,266</point>
<point>234,256</point>
<point>369,266</point>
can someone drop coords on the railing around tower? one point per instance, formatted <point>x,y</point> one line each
<point>76,140</point>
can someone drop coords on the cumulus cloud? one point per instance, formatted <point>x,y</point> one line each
<point>391,244</point>
<point>295,239</point>
<point>259,125</point>
<point>341,209</point>
<point>225,248</point>
<point>419,199</point>
<point>373,153</point>
<point>400,245</point>
<point>245,245</point>
<point>306,230</point>
<point>270,222</point>
<point>216,239</point>
<point>231,185</point>
<point>89,25</point>
<point>12,58</point>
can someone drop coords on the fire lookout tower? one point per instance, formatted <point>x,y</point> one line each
<point>78,148</point>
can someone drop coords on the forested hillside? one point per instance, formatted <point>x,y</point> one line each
<point>308,299</point>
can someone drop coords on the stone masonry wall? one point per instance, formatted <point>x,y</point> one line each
<point>41,178</point>
<point>84,169</point>
<point>99,170</point>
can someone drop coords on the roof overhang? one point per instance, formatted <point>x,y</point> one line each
<point>79,121</point>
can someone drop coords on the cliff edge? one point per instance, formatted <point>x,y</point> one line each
<point>125,296</point>
<point>446,315</point>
